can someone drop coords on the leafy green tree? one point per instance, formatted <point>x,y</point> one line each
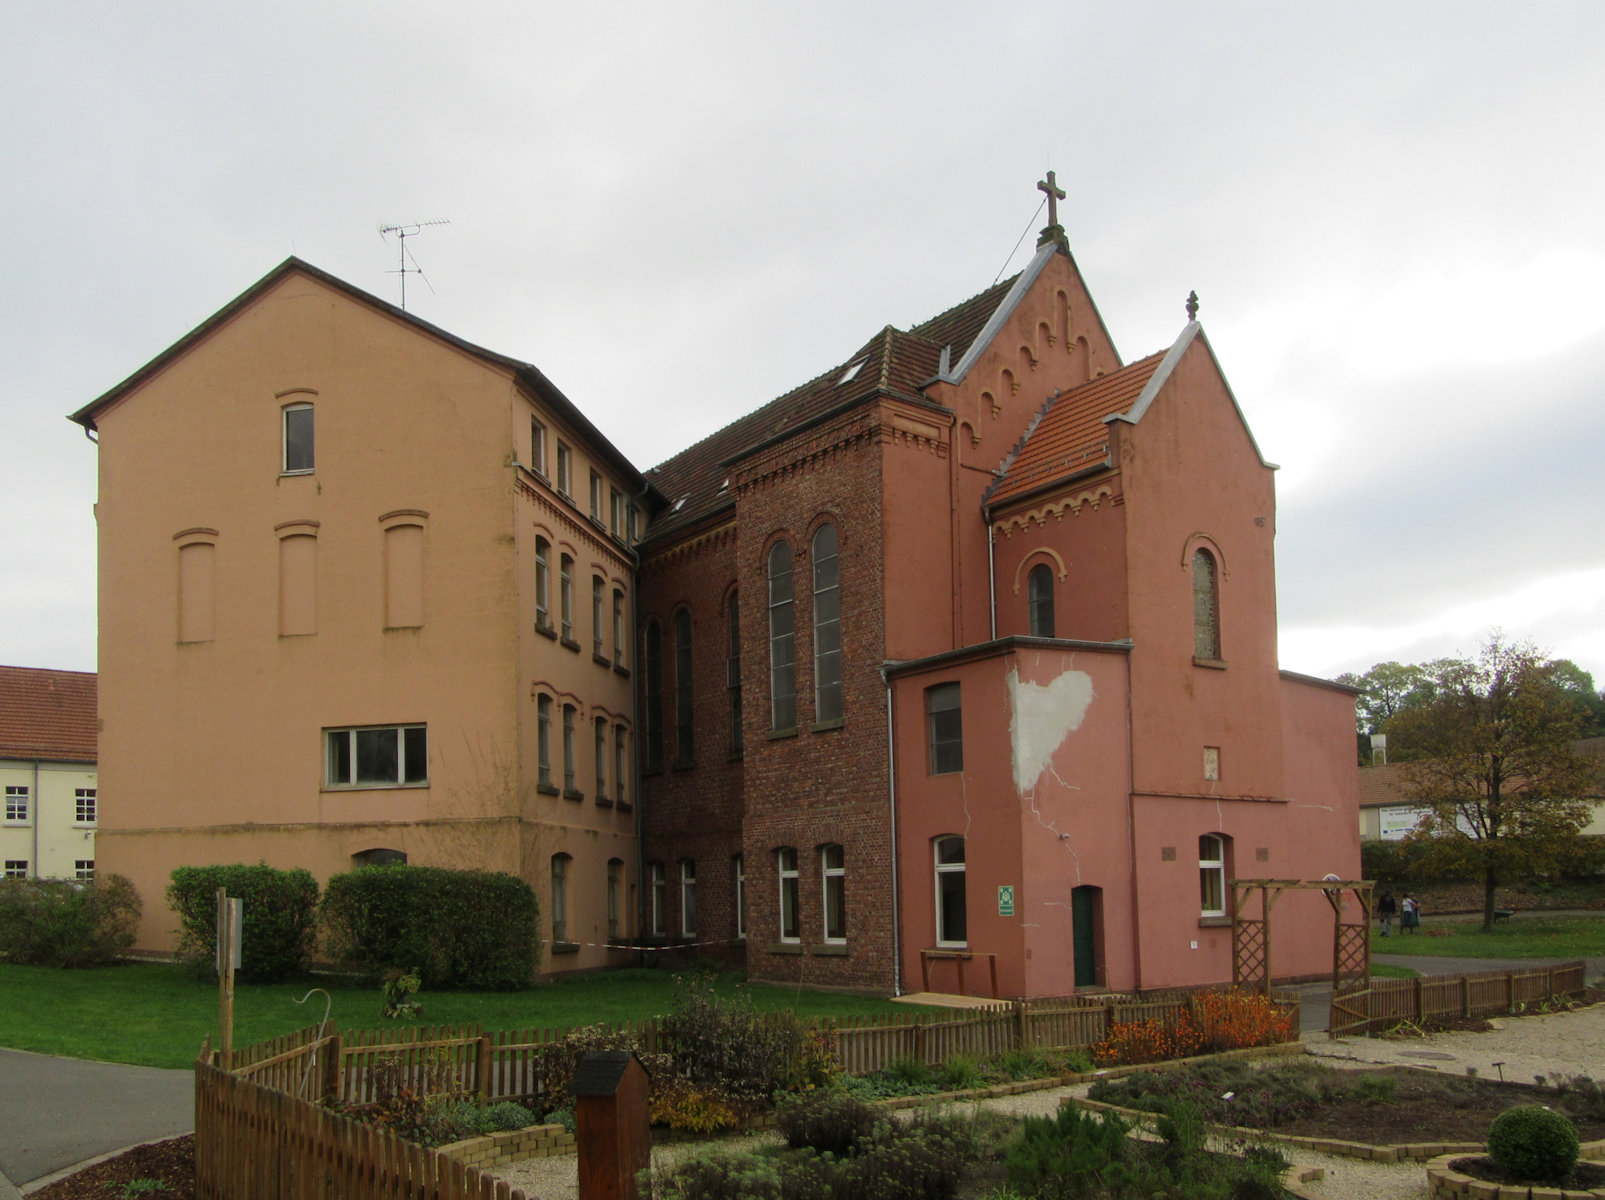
<point>1495,764</point>
<point>1386,690</point>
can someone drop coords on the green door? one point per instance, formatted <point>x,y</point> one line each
<point>1083,928</point>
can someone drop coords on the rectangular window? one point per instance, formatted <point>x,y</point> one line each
<point>565,467</point>
<point>688,898</point>
<point>660,898</point>
<point>543,583</point>
<point>537,446</point>
<point>951,921</point>
<point>620,765</point>
<point>601,758</point>
<point>83,870</point>
<point>615,870</point>
<point>618,628</point>
<point>568,752</point>
<point>298,439</point>
<point>1212,875</point>
<point>946,721</point>
<point>376,756</point>
<point>16,868</point>
<point>790,928</point>
<point>616,515</point>
<point>596,497</point>
<point>559,897</point>
<point>631,523</point>
<point>565,586</point>
<point>740,871</point>
<point>16,803</point>
<point>543,743</point>
<point>833,867</point>
<point>598,591</point>
<point>84,804</point>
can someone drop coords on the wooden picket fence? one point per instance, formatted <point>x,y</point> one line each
<point>263,1131</point>
<point>1479,994</point>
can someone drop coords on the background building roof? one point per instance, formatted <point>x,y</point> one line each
<point>47,715</point>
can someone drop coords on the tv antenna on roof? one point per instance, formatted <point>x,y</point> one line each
<point>403,232</point>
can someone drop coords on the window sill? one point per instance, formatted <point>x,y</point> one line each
<point>624,806</point>
<point>621,669</point>
<point>294,474</point>
<point>735,756</point>
<point>573,794</point>
<point>564,948</point>
<point>684,764</point>
<point>569,643</point>
<point>955,950</point>
<point>546,631</point>
<point>775,735</point>
<point>1214,922</point>
<point>827,726</point>
<point>601,660</point>
<point>652,769</point>
<point>603,802</point>
<point>1214,664</point>
<point>785,948</point>
<point>829,950</point>
<point>547,789</point>
<point>597,522</point>
<point>373,787</point>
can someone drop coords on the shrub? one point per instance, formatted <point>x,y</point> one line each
<point>1023,1064</point>
<point>830,1122</point>
<point>1071,1155</point>
<point>1376,1089</point>
<point>563,1059</point>
<point>698,1108</point>
<point>458,929</point>
<point>278,922</point>
<point>506,1115</point>
<point>960,1073</point>
<point>63,923</point>
<point>1235,1019</point>
<point>1535,1142</point>
<point>398,988</point>
<point>910,1070</point>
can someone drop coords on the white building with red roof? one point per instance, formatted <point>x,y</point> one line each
<point>48,724</point>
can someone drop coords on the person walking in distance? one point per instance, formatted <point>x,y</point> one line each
<point>1409,915</point>
<point>1387,909</point>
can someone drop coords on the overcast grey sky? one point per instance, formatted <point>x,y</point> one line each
<point>1394,215</point>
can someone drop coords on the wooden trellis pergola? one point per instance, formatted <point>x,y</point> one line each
<point>1351,940</point>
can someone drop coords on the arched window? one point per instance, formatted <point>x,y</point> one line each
<point>615,876</point>
<point>566,585</point>
<point>833,872</point>
<point>1212,875</point>
<point>543,726</point>
<point>782,664</point>
<point>684,740</point>
<point>1039,599</point>
<point>688,897</point>
<point>601,759</point>
<point>786,866</point>
<point>652,717</point>
<point>598,593</point>
<point>733,671</point>
<point>618,628</point>
<point>951,926</point>
<point>543,583</point>
<point>560,897</point>
<point>1206,606</point>
<point>827,627</point>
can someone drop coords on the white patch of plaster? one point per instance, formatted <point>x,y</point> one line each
<point>1041,719</point>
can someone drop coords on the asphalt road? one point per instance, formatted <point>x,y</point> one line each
<point>56,1113</point>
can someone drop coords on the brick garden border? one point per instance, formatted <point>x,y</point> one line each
<point>1446,1183</point>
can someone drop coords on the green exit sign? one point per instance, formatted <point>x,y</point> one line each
<point>1006,900</point>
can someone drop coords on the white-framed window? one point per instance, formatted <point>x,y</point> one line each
<point>596,497</point>
<point>16,803</point>
<point>786,867</point>
<point>560,897</point>
<point>569,789</point>
<point>537,446</point>
<point>618,627</point>
<point>615,876</point>
<point>945,713</point>
<point>601,758</point>
<point>85,805</point>
<point>827,627</point>
<point>565,584</point>
<point>1039,600</point>
<point>631,523</point>
<point>543,739</point>
<point>833,872</point>
<point>83,870</point>
<point>952,925</point>
<point>16,868</point>
<point>543,583</point>
<point>376,756</point>
<point>616,525</point>
<point>739,870</point>
<point>565,468</point>
<point>621,765</point>
<point>598,592</point>
<point>684,737</point>
<point>298,440</point>
<point>688,897</point>
<point>782,648</point>
<point>659,896</point>
<point>1212,875</point>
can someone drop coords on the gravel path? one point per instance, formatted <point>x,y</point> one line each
<point>1573,1043</point>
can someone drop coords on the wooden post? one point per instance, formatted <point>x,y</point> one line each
<point>613,1140</point>
<point>331,1069</point>
<point>482,1069</point>
<point>1421,998</point>
<point>228,956</point>
<point>1021,1027</point>
<point>1465,996</point>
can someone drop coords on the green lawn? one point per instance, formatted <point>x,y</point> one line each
<point>157,1015</point>
<point>1389,971</point>
<point>1521,936</point>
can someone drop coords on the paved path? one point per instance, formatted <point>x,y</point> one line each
<point>58,1112</point>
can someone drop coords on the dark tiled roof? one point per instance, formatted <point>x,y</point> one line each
<point>47,715</point>
<point>894,362</point>
<point>1072,434</point>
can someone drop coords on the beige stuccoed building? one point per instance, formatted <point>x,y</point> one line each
<point>366,594</point>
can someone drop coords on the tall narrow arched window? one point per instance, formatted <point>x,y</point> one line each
<point>652,716</point>
<point>1039,599</point>
<point>598,593</point>
<point>566,585</point>
<point>782,663</point>
<point>1212,875</point>
<point>733,671</point>
<point>559,903</point>
<point>543,583</point>
<point>1206,606</point>
<point>684,740</point>
<point>827,627</point>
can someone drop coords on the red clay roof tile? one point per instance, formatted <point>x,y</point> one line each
<point>47,715</point>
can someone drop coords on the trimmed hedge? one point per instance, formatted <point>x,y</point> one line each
<point>1535,1142</point>
<point>63,923</point>
<point>278,926</point>
<point>458,929</point>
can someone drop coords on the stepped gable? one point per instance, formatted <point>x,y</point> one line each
<point>892,363</point>
<point>48,715</point>
<point>1073,435</point>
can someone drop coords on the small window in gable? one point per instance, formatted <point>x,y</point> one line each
<point>537,446</point>
<point>298,442</point>
<point>1039,592</point>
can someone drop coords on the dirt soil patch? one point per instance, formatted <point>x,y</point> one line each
<point>170,1164</point>
<point>1585,1175</point>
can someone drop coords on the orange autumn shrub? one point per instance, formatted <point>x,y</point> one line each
<point>1213,1021</point>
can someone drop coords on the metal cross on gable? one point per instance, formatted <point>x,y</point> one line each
<point>1055,194</point>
